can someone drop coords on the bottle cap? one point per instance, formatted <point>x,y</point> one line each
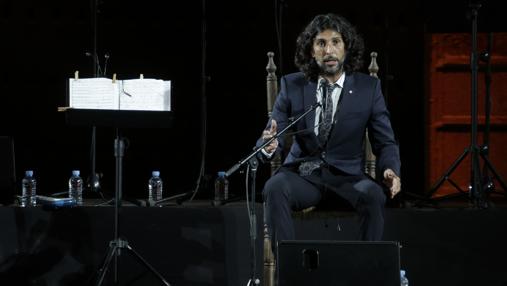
<point>221,174</point>
<point>75,173</point>
<point>155,173</point>
<point>29,173</point>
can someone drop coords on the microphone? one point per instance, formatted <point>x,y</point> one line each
<point>106,56</point>
<point>96,60</point>
<point>323,86</point>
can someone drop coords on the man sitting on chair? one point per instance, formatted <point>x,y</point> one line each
<point>327,150</point>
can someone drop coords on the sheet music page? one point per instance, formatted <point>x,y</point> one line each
<point>93,93</point>
<point>145,94</point>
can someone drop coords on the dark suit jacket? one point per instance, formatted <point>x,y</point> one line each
<point>361,105</point>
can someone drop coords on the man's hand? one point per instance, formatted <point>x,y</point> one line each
<point>392,181</point>
<point>268,134</point>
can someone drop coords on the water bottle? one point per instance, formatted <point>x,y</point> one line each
<point>221,189</point>
<point>155,187</point>
<point>76,187</point>
<point>403,278</point>
<point>29,190</point>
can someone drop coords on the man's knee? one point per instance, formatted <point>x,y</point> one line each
<point>371,192</point>
<point>275,188</point>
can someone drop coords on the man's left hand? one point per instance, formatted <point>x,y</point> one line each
<point>392,181</point>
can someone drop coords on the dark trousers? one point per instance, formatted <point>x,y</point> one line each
<point>287,191</point>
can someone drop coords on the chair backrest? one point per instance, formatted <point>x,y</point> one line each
<point>271,93</point>
<point>369,157</point>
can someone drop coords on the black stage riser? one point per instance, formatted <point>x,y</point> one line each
<point>203,245</point>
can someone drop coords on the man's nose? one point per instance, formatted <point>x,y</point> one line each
<point>328,49</point>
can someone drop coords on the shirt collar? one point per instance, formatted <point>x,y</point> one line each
<point>339,82</point>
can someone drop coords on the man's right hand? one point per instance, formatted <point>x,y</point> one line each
<point>268,134</point>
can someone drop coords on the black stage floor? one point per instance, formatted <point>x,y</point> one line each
<point>198,244</point>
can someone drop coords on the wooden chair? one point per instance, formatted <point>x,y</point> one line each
<point>369,157</point>
<point>369,163</point>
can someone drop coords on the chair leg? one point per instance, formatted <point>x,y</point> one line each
<point>269,260</point>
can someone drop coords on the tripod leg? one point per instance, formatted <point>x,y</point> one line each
<point>497,176</point>
<point>477,194</point>
<point>105,265</point>
<point>448,173</point>
<point>143,261</point>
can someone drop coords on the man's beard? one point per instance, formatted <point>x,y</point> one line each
<point>330,70</point>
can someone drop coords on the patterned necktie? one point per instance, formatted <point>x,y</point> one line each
<point>326,114</point>
<point>326,121</point>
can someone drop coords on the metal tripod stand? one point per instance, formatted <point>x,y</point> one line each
<point>476,193</point>
<point>487,179</point>
<point>117,244</point>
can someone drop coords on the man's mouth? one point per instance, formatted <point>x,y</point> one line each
<point>331,62</point>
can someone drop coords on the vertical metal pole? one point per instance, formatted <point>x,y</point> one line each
<point>92,179</point>
<point>475,186</point>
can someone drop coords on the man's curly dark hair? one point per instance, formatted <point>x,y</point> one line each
<point>354,44</point>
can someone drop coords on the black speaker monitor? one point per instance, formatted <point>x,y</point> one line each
<point>333,263</point>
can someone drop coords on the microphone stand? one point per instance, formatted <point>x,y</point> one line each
<point>253,162</point>
<point>93,182</point>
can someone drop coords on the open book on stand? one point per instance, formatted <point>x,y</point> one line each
<point>113,94</point>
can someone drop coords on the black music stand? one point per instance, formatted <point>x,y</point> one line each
<point>120,119</point>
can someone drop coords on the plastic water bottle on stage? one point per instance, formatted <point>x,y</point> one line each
<point>155,187</point>
<point>403,278</point>
<point>76,187</point>
<point>29,190</point>
<point>221,189</point>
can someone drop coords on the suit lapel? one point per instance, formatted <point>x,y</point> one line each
<point>347,91</point>
<point>344,102</point>
<point>309,99</point>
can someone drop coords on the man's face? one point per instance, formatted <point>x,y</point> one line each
<point>329,51</point>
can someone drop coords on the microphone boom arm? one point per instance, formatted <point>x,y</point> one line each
<point>266,143</point>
